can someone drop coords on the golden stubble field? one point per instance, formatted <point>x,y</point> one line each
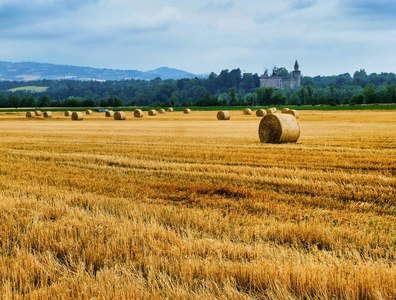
<point>188,207</point>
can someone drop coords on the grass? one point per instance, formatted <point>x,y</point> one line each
<point>35,89</point>
<point>188,207</point>
<point>368,107</point>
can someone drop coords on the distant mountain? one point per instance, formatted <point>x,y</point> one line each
<point>27,71</point>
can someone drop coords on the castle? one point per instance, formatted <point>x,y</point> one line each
<point>280,82</point>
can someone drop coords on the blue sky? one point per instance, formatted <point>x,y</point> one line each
<point>328,37</point>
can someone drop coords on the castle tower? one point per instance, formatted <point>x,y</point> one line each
<point>296,75</point>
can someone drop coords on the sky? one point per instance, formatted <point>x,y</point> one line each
<point>327,37</point>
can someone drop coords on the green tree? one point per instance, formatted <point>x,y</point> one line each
<point>87,103</point>
<point>282,71</point>
<point>357,99</point>
<point>302,95</point>
<point>117,102</point>
<point>233,97</point>
<point>278,98</point>
<point>14,101</point>
<point>44,101</point>
<point>189,102</point>
<point>104,103</point>
<point>264,95</point>
<point>295,100</point>
<point>391,93</point>
<point>3,101</point>
<point>174,101</point>
<point>28,101</point>
<point>311,100</point>
<point>369,93</point>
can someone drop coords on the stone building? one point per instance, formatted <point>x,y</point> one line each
<point>280,82</point>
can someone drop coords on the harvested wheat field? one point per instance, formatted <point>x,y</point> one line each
<point>183,207</point>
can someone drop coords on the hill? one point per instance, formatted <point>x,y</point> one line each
<point>27,71</point>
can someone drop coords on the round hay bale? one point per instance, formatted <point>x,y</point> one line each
<point>30,114</point>
<point>247,111</point>
<point>223,115</point>
<point>187,111</point>
<point>170,109</point>
<point>161,111</point>
<point>293,112</point>
<point>279,128</point>
<point>88,112</point>
<point>119,115</point>
<point>47,114</point>
<point>138,113</point>
<point>68,113</point>
<point>271,110</point>
<point>109,114</point>
<point>77,116</point>
<point>152,112</point>
<point>285,110</point>
<point>261,112</point>
<point>38,113</point>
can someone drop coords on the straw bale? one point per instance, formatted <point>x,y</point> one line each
<point>109,114</point>
<point>223,115</point>
<point>68,113</point>
<point>30,114</point>
<point>161,111</point>
<point>187,111</point>
<point>279,128</point>
<point>293,112</point>
<point>38,113</point>
<point>285,110</point>
<point>170,109</point>
<point>152,112</point>
<point>247,111</point>
<point>138,113</point>
<point>77,116</point>
<point>47,114</point>
<point>271,110</point>
<point>88,112</point>
<point>261,112</point>
<point>119,115</point>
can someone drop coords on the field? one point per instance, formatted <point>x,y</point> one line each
<point>188,207</point>
<point>34,89</point>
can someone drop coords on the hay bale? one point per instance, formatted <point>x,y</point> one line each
<point>138,113</point>
<point>187,111</point>
<point>68,113</point>
<point>30,114</point>
<point>38,113</point>
<point>279,128</point>
<point>170,109</point>
<point>247,111</point>
<point>88,112</point>
<point>47,114</point>
<point>285,110</point>
<point>109,114</point>
<point>152,112</point>
<point>293,112</point>
<point>119,115</point>
<point>271,110</point>
<point>223,115</point>
<point>161,111</point>
<point>77,116</point>
<point>261,112</point>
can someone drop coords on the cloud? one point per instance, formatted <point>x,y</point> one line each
<point>371,9</point>
<point>302,4</point>
<point>216,7</point>
<point>31,10</point>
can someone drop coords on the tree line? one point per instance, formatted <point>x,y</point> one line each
<point>227,88</point>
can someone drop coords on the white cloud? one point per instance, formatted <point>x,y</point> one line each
<point>324,35</point>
